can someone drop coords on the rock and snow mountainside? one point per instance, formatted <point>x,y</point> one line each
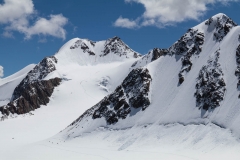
<point>195,81</point>
<point>176,103</point>
<point>8,84</point>
<point>38,85</point>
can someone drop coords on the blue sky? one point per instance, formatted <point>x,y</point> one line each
<point>33,29</point>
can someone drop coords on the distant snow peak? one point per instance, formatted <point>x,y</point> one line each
<point>222,24</point>
<point>210,87</point>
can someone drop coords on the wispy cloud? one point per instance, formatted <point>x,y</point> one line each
<point>125,23</point>
<point>18,15</point>
<point>163,13</point>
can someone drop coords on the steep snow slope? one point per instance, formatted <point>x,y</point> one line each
<point>8,84</point>
<point>77,93</point>
<point>174,96</point>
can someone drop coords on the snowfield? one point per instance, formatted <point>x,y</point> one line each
<point>168,142</point>
<point>193,110</point>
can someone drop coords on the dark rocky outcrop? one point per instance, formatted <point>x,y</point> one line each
<point>31,96</point>
<point>237,71</point>
<point>83,46</point>
<point>188,45</point>
<point>156,53</point>
<point>33,91</point>
<point>39,72</point>
<point>210,87</point>
<point>131,94</point>
<point>223,25</point>
<point>117,46</point>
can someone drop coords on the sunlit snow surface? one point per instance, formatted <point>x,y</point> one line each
<point>168,142</point>
<point>172,127</point>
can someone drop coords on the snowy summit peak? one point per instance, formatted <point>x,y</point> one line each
<point>117,46</point>
<point>222,25</point>
<point>87,52</point>
<point>221,18</point>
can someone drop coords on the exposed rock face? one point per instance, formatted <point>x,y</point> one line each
<point>33,91</point>
<point>31,96</point>
<point>156,53</point>
<point>133,93</point>
<point>223,25</point>
<point>237,71</point>
<point>210,87</point>
<point>188,45</point>
<point>39,72</point>
<point>117,46</point>
<point>84,47</point>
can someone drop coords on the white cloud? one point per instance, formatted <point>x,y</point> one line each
<point>1,72</point>
<point>162,13</point>
<point>125,23</point>
<point>8,34</point>
<point>52,26</point>
<point>17,15</point>
<point>12,10</point>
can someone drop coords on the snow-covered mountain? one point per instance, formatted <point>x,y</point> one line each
<point>39,83</point>
<point>176,103</point>
<point>195,81</point>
